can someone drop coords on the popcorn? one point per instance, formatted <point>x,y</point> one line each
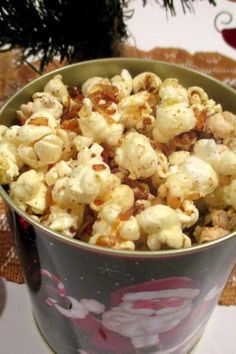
<point>30,190</point>
<point>137,156</point>
<point>188,215</point>
<point>42,118</point>
<point>227,163</point>
<point>46,150</point>
<point>63,221</point>
<point>9,161</point>
<point>146,81</point>
<point>207,234</point>
<point>162,226</point>
<point>28,134</point>
<point>83,185</point>
<point>10,134</point>
<point>171,92</point>
<point>204,177</point>
<point>208,150</point>
<point>197,96</point>
<point>103,168</point>
<point>60,170</point>
<point>121,195</point>
<point>111,231</point>
<point>93,84</point>
<point>3,130</point>
<point>172,120</point>
<point>229,194</point>
<point>221,125</point>
<point>42,101</point>
<point>135,110</point>
<point>95,126</point>
<point>123,82</point>
<point>57,88</point>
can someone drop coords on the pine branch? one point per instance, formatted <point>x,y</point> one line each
<point>73,30</point>
<point>69,29</point>
<point>187,5</point>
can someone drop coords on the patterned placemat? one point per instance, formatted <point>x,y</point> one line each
<point>12,77</point>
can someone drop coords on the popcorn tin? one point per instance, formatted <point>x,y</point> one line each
<point>91,300</point>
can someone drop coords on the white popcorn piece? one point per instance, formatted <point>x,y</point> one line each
<point>200,102</point>
<point>162,170</point>
<point>172,120</point>
<point>129,229</point>
<point>227,163</point>
<point>93,84</point>
<point>60,194</point>
<point>57,88</point>
<point>230,143</point>
<point>134,109</point>
<point>26,186</point>
<point>229,193</point>
<point>3,130</point>
<point>83,185</point>
<point>110,213</point>
<point>60,170</point>
<point>28,134</point>
<point>42,118</point>
<point>95,126</point>
<point>92,157</point>
<point>178,186</point>
<point>43,101</point>
<point>11,134</point>
<point>146,81</point>
<point>111,231</point>
<point>29,156</point>
<point>171,92</point>
<point>121,195</point>
<point>69,149</point>
<point>67,223</point>
<point>188,214</point>
<point>178,157</point>
<point>204,177</point>
<point>49,149</point>
<point>82,142</point>
<point>157,217</point>
<point>30,190</point>
<point>162,225</point>
<point>209,151</point>
<point>39,203</point>
<point>221,125</point>
<point>197,95</point>
<point>136,155</point>
<point>123,82</point>
<point>10,161</point>
<point>172,238</point>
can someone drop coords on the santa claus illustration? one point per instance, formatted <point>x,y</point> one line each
<point>158,314</point>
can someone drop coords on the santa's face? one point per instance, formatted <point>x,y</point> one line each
<point>142,316</point>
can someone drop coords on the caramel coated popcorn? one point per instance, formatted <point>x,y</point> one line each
<point>125,163</point>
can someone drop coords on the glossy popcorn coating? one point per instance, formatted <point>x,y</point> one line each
<point>129,163</point>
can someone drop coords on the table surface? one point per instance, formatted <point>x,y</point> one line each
<point>18,332</point>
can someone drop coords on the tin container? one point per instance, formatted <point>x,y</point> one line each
<point>91,300</point>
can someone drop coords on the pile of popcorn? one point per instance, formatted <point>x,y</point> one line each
<point>124,163</point>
